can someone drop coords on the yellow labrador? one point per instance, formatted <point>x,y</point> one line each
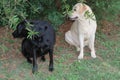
<point>82,32</point>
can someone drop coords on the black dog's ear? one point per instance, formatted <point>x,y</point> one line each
<point>21,26</point>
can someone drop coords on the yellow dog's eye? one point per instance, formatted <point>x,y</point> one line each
<point>74,9</point>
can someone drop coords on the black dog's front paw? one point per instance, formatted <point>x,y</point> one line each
<point>35,69</point>
<point>51,68</point>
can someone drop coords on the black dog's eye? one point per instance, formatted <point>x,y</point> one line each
<point>47,40</point>
<point>46,27</point>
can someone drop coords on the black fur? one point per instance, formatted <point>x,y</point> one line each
<point>40,45</point>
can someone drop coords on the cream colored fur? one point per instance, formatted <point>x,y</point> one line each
<point>82,32</point>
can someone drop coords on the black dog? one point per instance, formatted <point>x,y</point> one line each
<point>40,45</point>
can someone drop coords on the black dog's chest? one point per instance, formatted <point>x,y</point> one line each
<point>42,52</point>
<point>39,52</point>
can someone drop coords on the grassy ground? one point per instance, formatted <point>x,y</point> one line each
<point>106,66</point>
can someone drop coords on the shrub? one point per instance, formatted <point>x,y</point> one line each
<point>54,11</point>
<point>105,9</point>
<point>14,11</point>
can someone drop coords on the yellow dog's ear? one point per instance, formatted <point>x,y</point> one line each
<point>83,8</point>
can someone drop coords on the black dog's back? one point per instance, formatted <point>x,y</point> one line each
<point>47,32</point>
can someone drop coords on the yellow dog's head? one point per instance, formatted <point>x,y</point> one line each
<point>78,11</point>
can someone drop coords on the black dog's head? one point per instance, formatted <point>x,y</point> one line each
<point>20,30</point>
<point>38,26</point>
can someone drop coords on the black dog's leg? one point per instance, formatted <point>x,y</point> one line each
<point>51,68</point>
<point>25,54</point>
<point>43,58</point>
<point>35,66</point>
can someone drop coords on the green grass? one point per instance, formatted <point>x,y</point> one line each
<point>105,67</point>
<point>67,67</point>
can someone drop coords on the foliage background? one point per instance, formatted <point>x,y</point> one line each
<point>54,11</point>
